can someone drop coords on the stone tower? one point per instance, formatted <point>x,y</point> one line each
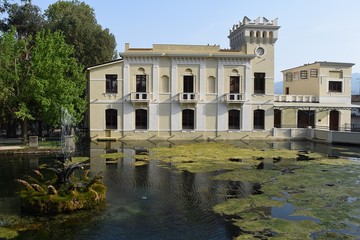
<point>257,37</point>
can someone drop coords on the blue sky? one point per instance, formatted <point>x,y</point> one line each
<point>311,30</point>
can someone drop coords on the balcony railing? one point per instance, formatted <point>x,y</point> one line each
<point>188,97</point>
<point>296,98</point>
<point>234,98</point>
<point>140,97</point>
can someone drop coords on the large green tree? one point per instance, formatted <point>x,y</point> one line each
<point>39,77</point>
<point>26,18</point>
<point>77,21</point>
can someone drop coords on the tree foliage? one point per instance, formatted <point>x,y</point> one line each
<point>37,87</point>
<point>42,57</point>
<point>77,21</point>
<point>26,18</point>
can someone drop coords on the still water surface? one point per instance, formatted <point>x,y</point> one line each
<point>147,202</point>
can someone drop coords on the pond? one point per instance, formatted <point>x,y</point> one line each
<point>178,199</point>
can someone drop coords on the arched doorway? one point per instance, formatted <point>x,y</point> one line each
<point>334,120</point>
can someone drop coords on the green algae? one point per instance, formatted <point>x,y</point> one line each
<point>316,186</point>
<point>79,159</point>
<point>282,228</point>
<point>6,233</point>
<point>112,155</point>
<point>207,157</point>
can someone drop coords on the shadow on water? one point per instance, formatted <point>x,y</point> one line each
<point>145,202</point>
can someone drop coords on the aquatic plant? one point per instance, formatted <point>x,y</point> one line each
<point>323,191</point>
<point>56,189</point>
<point>6,233</point>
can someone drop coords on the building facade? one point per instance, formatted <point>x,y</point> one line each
<point>198,92</point>
<point>316,95</point>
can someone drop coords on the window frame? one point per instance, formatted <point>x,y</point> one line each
<point>111,118</point>
<point>234,119</point>
<point>314,73</point>
<point>234,84</point>
<point>288,77</point>
<point>188,84</point>
<point>335,86</point>
<point>259,119</point>
<point>141,83</point>
<point>303,74</point>
<point>141,119</point>
<point>188,119</point>
<point>111,83</point>
<point>259,83</point>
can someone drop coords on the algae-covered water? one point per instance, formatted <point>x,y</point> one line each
<point>207,190</point>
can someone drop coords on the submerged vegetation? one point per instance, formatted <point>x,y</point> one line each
<point>320,195</point>
<point>57,189</point>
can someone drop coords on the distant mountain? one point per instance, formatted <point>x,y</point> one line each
<point>278,87</point>
<point>355,84</point>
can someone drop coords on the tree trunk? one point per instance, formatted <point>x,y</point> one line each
<point>11,129</point>
<point>24,131</point>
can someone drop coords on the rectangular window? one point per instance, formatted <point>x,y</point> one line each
<point>303,74</point>
<point>188,121</point>
<point>234,119</point>
<point>140,83</point>
<point>313,73</point>
<point>111,83</point>
<point>289,77</point>
<point>296,75</point>
<point>111,118</point>
<point>335,86</point>
<point>188,84</point>
<point>234,84</point>
<point>259,82</point>
<point>259,119</point>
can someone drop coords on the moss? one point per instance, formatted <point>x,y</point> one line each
<point>317,188</point>
<point>281,228</point>
<point>79,159</point>
<point>140,163</point>
<point>6,233</point>
<point>112,155</point>
<point>238,206</point>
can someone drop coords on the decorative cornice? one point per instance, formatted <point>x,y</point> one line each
<point>141,60</point>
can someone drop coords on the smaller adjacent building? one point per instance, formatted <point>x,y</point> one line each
<point>316,95</point>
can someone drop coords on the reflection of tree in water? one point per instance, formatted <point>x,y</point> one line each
<point>237,189</point>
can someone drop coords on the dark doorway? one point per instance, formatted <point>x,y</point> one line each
<point>334,120</point>
<point>234,119</point>
<point>306,118</point>
<point>188,119</point>
<point>140,119</point>
<point>277,118</point>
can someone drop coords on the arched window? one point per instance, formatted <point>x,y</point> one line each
<point>264,37</point>
<point>234,119</point>
<point>165,84</point>
<point>211,85</point>
<point>188,119</point>
<point>259,119</point>
<point>111,118</point>
<point>141,119</point>
<point>252,37</point>
<point>258,36</point>
<point>271,37</point>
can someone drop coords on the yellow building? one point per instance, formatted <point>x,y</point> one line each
<point>316,95</point>
<point>199,92</point>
